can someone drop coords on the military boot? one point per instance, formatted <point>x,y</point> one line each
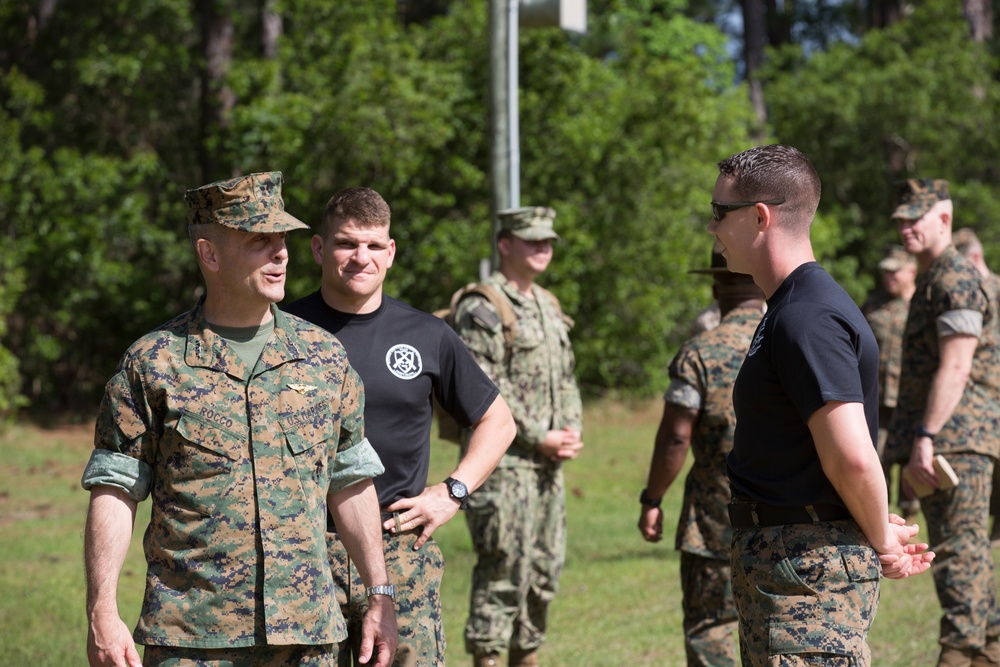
<point>955,657</point>
<point>486,660</point>
<point>990,655</point>
<point>523,658</point>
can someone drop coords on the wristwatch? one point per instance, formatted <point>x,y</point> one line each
<point>389,590</point>
<point>647,501</point>
<point>459,491</point>
<point>922,432</point>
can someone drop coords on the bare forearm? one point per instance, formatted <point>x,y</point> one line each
<point>491,436</point>
<point>945,393</point>
<point>107,536</point>
<point>355,510</point>
<point>673,439</point>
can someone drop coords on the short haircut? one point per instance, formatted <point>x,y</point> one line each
<point>208,231</point>
<point>362,205</point>
<point>775,171</point>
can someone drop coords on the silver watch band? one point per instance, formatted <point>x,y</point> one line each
<point>389,590</point>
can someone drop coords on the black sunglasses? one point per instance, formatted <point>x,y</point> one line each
<point>719,210</point>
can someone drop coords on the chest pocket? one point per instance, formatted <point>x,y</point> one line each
<point>204,446</point>
<point>311,435</point>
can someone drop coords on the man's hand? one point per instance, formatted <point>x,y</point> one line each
<point>651,523</point>
<point>109,643</point>
<point>921,464</point>
<point>561,444</point>
<point>432,508</point>
<point>903,559</point>
<point>379,630</point>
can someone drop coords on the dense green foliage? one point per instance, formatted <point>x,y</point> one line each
<point>103,125</point>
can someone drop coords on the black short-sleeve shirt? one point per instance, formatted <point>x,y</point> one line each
<point>404,356</point>
<point>812,346</point>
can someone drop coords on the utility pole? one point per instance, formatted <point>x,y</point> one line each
<point>505,148</point>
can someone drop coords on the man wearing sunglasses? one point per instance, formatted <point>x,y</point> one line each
<point>811,528</point>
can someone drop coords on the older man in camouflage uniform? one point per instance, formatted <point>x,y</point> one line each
<point>886,312</point>
<point>698,414</point>
<point>949,404</point>
<point>518,517</point>
<point>243,425</point>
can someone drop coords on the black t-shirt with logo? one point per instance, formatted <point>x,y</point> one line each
<point>403,356</point>
<point>812,346</point>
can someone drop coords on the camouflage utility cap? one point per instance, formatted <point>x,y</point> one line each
<point>896,258</point>
<point>964,238</point>
<point>248,203</point>
<point>529,223</point>
<point>916,196</point>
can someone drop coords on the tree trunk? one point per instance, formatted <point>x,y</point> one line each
<point>217,99</point>
<point>754,40</point>
<point>271,28</point>
<point>979,14</point>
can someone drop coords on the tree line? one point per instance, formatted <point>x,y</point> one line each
<point>110,111</point>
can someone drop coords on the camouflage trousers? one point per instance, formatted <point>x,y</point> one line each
<point>517,519</point>
<point>710,617</point>
<point>806,594</point>
<point>417,576</point>
<point>963,565</point>
<point>249,656</point>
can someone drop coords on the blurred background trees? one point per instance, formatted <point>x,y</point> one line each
<point>110,111</point>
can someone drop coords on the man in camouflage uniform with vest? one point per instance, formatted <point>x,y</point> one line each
<point>244,426</point>
<point>517,518</point>
<point>949,404</point>
<point>886,312</point>
<point>698,414</point>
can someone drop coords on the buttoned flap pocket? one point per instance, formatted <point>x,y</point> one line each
<point>213,431</point>
<point>860,562</point>
<point>310,427</point>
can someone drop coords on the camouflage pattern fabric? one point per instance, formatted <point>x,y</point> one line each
<point>963,565</point>
<point>517,520</point>
<point>806,594</point>
<point>518,517</point>
<point>710,617</point>
<point>950,283</point>
<point>887,317</point>
<point>250,203</point>
<point>417,576</point>
<point>709,364</point>
<point>535,376</point>
<point>252,656</point>
<point>239,462</point>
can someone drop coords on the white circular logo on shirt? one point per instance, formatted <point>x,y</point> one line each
<point>403,361</point>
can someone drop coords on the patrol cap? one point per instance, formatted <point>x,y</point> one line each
<point>249,203</point>
<point>719,267</point>
<point>896,258</point>
<point>916,196</point>
<point>964,239</point>
<point>529,223</point>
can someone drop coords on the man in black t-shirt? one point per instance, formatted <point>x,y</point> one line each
<point>810,507</point>
<point>404,357</point>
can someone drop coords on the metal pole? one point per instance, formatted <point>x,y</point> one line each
<point>505,145</point>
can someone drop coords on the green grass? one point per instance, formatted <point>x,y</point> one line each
<point>619,601</point>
